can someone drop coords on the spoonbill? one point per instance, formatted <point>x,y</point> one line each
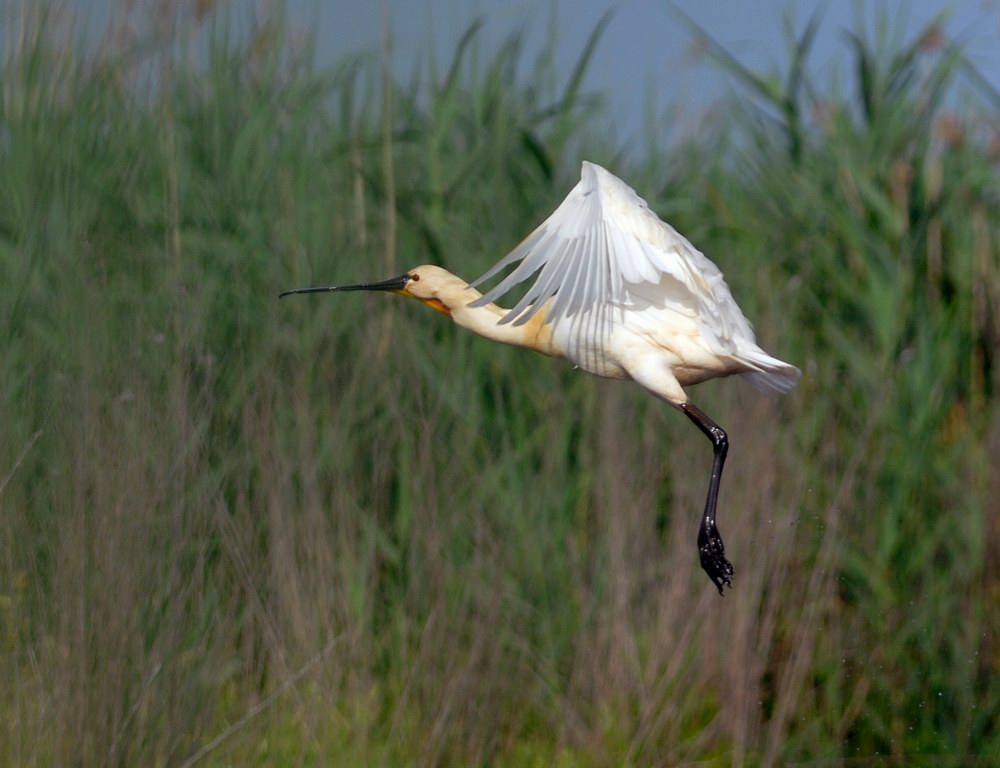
<point>621,294</point>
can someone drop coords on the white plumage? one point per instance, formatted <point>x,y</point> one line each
<point>603,259</point>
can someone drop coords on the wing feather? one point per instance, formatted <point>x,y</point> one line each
<point>604,248</point>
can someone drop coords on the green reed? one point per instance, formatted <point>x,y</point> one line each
<point>337,529</point>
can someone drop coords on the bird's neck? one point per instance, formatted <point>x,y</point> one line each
<point>535,334</point>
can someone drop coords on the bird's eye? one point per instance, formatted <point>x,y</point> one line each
<point>415,278</point>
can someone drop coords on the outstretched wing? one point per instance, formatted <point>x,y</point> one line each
<point>602,248</point>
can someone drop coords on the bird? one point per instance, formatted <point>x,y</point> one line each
<point>623,295</point>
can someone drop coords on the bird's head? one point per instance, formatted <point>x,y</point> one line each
<point>436,287</point>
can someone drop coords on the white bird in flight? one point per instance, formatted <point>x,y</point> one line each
<point>621,294</point>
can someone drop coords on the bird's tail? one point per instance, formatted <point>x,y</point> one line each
<point>768,374</point>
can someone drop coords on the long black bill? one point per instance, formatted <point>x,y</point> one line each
<point>392,284</point>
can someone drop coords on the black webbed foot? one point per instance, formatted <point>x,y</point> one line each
<point>712,553</point>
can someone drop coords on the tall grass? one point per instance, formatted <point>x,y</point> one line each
<point>238,531</point>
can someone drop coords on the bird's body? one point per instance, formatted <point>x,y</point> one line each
<point>648,339</point>
<point>620,294</point>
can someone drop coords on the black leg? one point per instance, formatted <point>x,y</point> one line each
<point>710,548</point>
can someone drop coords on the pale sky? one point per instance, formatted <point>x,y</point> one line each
<point>646,52</point>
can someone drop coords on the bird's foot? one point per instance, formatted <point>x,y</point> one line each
<point>712,553</point>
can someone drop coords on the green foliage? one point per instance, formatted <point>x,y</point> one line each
<point>339,530</point>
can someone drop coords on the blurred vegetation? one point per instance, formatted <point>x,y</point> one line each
<point>238,531</point>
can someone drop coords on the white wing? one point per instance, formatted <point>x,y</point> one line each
<point>604,248</point>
